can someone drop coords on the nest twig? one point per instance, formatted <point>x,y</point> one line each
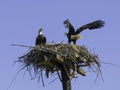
<point>51,58</point>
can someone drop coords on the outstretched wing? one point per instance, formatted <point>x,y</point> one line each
<point>69,26</point>
<point>91,26</point>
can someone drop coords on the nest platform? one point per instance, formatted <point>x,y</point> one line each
<point>51,58</point>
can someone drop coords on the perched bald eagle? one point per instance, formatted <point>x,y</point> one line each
<point>41,39</point>
<point>73,35</point>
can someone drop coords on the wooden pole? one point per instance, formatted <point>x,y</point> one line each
<point>66,82</point>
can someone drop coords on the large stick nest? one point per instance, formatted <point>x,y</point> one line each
<point>52,58</point>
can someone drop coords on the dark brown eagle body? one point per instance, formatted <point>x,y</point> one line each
<point>72,33</point>
<point>41,39</point>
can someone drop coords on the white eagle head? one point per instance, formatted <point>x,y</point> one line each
<point>40,31</point>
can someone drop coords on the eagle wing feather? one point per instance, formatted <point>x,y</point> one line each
<point>91,26</point>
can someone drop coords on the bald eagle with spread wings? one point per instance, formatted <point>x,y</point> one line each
<point>73,35</point>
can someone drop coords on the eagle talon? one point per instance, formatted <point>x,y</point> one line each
<point>66,34</point>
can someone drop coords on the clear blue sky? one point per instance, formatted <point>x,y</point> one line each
<point>19,24</point>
